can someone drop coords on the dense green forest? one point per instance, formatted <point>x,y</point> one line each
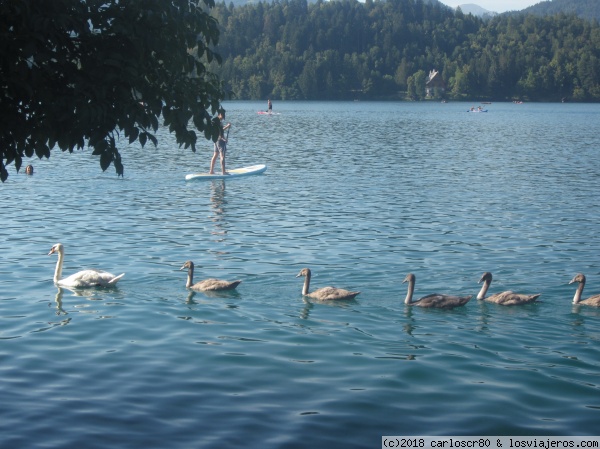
<point>346,50</point>
<point>587,9</point>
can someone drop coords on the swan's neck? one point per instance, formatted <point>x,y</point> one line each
<point>409,293</point>
<point>59,266</point>
<point>578,292</point>
<point>484,289</point>
<point>306,284</point>
<point>190,277</point>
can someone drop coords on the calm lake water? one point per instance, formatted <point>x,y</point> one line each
<point>362,193</point>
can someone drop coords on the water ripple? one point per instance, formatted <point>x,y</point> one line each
<point>362,193</point>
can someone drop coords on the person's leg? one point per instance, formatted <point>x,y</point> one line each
<point>223,151</point>
<point>223,163</point>
<point>212,163</point>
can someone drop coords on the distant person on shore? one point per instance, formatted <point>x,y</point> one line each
<point>29,170</point>
<point>269,106</point>
<point>220,144</point>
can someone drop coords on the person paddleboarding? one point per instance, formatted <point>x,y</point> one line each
<point>220,146</point>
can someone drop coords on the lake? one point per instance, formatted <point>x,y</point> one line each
<point>362,193</point>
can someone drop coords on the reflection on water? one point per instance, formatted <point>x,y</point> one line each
<point>409,325</point>
<point>190,297</point>
<point>218,205</point>
<point>58,301</point>
<point>305,310</point>
<point>90,294</point>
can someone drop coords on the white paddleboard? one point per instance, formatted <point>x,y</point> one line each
<point>235,173</point>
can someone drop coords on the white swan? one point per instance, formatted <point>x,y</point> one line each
<point>434,300</point>
<point>325,293</point>
<point>507,298</point>
<point>81,279</point>
<point>208,284</point>
<point>591,301</point>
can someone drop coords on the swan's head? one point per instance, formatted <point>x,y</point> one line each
<point>409,278</point>
<point>189,264</point>
<point>578,278</point>
<point>485,277</point>
<point>58,248</point>
<point>303,272</point>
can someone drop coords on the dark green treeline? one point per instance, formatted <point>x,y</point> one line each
<point>346,50</point>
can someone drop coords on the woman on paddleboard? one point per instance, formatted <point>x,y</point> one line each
<point>220,144</point>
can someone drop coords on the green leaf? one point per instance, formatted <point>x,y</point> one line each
<point>105,160</point>
<point>133,135</point>
<point>143,138</point>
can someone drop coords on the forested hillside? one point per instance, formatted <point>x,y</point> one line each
<point>340,50</point>
<point>586,9</point>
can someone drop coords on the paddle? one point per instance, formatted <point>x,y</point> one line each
<point>227,135</point>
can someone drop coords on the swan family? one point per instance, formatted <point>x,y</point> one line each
<point>97,278</point>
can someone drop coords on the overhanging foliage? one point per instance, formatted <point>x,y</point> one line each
<point>85,72</point>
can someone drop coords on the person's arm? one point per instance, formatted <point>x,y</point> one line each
<point>225,128</point>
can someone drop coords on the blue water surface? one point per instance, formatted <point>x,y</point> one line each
<point>362,193</point>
